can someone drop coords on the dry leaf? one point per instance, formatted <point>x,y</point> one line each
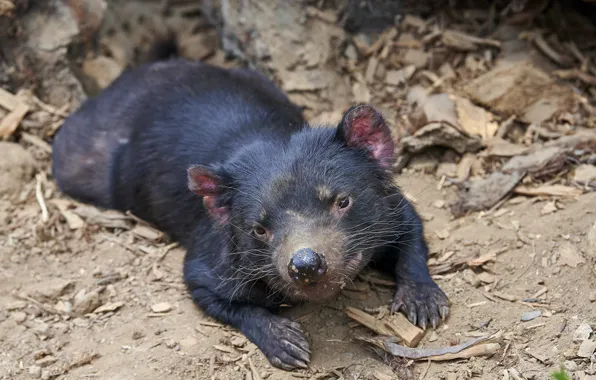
<point>480,194</point>
<point>533,161</point>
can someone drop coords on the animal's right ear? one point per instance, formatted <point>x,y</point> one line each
<point>207,184</point>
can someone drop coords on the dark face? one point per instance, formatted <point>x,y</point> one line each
<point>308,221</point>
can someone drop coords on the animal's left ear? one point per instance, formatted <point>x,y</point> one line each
<point>363,127</point>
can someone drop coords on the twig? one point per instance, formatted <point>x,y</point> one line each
<point>34,140</point>
<point>423,374</point>
<point>576,74</point>
<point>544,47</point>
<point>50,109</point>
<point>47,309</point>
<point>464,350</point>
<point>253,370</point>
<point>40,200</point>
<point>82,361</point>
<point>166,249</point>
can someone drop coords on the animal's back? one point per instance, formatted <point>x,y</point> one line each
<point>129,147</point>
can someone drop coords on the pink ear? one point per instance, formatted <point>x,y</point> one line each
<point>203,181</point>
<point>208,185</point>
<point>364,127</point>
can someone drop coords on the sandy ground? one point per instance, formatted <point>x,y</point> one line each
<point>137,322</point>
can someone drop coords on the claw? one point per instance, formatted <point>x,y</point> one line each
<point>422,324</point>
<point>443,311</point>
<point>396,306</point>
<point>435,322</point>
<point>412,316</point>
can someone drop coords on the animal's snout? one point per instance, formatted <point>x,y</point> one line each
<point>306,266</point>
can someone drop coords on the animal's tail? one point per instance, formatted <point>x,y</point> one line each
<point>164,47</point>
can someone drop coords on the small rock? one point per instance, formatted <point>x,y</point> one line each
<point>35,371</point>
<point>486,277</point>
<point>585,174</point>
<point>238,341</point>
<point>162,307</point>
<point>570,365</point>
<point>439,203</point>
<point>45,375</point>
<point>582,332</point>
<point>351,53</point>
<point>86,302</point>
<point>592,240</point>
<point>442,234</point>
<point>46,361</point>
<point>136,335</point>
<point>531,315</point>
<point>592,297</point>
<point>41,353</point>
<point>16,167</point>
<point>19,317</point>
<point>549,208</point>
<point>188,342</point>
<point>361,93</point>
<point>170,343</point>
<point>433,337</point>
<point>569,255</point>
<point>586,349</point>
<point>42,328</point>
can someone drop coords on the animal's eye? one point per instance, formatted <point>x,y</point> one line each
<point>259,232</point>
<point>343,202</point>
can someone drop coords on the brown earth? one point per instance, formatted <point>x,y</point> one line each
<point>55,259</point>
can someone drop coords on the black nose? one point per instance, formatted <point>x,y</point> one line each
<point>307,266</point>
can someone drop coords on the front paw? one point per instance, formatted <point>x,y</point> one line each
<point>283,342</point>
<point>421,302</point>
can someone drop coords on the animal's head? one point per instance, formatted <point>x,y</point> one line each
<point>306,214</point>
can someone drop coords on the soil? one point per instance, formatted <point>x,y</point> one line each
<point>150,329</point>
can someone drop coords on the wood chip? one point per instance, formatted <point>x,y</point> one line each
<point>466,42</point>
<point>474,120</point>
<point>8,100</point>
<point>73,220</point>
<point>108,218</point>
<point>550,190</point>
<point>109,307</point>
<point>10,123</point>
<point>147,232</point>
<point>397,325</point>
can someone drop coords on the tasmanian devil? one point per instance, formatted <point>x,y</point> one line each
<point>270,209</point>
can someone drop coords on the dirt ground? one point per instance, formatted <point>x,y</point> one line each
<point>133,319</point>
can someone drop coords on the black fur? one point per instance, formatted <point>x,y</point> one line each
<point>130,147</point>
